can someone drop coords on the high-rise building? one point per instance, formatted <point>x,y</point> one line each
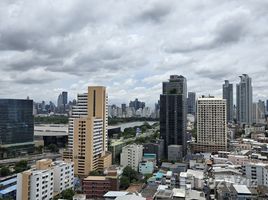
<point>64,98</point>
<point>124,109</point>
<point>45,180</point>
<point>267,106</point>
<point>244,100</point>
<point>16,127</point>
<point>136,104</point>
<point>131,156</point>
<point>211,125</point>
<point>90,134</point>
<point>258,112</point>
<point>173,112</point>
<point>79,110</point>
<point>227,93</point>
<point>191,103</point>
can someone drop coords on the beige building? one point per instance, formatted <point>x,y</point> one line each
<point>90,134</point>
<point>131,156</point>
<point>211,125</point>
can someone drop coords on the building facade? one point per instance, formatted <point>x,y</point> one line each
<point>191,103</point>
<point>211,125</point>
<point>90,134</point>
<point>95,187</point>
<point>46,180</point>
<point>131,156</point>
<point>244,100</point>
<point>16,127</point>
<point>173,112</point>
<point>227,93</point>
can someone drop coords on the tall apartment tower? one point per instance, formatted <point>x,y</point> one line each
<point>90,134</point>
<point>173,113</point>
<point>244,100</point>
<point>227,93</point>
<point>211,125</point>
<point>191,103</point>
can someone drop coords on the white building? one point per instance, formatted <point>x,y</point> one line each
<point>131,156</point>
<point>211,124</point>
<point>80,110</point>
<point>45,180</point>
<point>257,173</point>
<point>63,175</point>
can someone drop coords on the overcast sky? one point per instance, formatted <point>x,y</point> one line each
<point>130,46</point>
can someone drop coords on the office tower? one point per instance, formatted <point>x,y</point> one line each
<point>64,98</point>
<point>267,106</point>
<point>16,127</point>
<point>211,125</point>
<point>131,156</point>
<point>258,112</point>
<point>136,104</point>
<point>244,100</point>
<point>191,101</point>
<point>124,109</point>
<point>47,179</point>
<point>173,112</point>
<point>227,93</point>
<point>90,134</point>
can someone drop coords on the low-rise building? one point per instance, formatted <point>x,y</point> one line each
<point>45,181</point>
<point>8,188</point>
<point>97,186</point>
<point>146,167</point>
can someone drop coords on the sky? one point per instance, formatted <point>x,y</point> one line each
<point>130,46</point>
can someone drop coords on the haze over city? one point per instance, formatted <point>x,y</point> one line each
<point>130,46</point>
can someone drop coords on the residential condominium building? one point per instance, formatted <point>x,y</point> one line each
<point>173,113</point>
<point>131,156</point>
<point>16,127</point>
<point>227,93</point>
<point>256,172</point>
<point>90,134</point>
<point>244,100</point>
<point>45,181</point>
<point>211,125</point>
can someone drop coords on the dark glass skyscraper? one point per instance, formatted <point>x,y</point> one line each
<point>244,100</point>
<point>191,103</point>
<point>173,112</point>
<point>16,126</point>
<point>227,93</point>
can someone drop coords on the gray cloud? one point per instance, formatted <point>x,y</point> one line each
<point>130,46</point>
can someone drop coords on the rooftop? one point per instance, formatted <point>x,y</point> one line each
<point>95,178</point>
<point>241,189</point>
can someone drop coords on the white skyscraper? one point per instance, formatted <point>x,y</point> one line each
<point>80,110</point>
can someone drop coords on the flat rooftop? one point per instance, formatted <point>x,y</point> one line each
<point>95,178</point>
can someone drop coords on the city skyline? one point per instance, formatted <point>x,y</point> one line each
<point>131,48</point>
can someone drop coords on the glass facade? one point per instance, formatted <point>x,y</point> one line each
<point>16,122</point>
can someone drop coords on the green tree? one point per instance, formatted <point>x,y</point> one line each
<point>66,194</point>
<point>21,166</point>
<point>95,173</point>
<point>53,148</point>
<point>39,149</point>
<point>130,173</point>
<point>124,182</point>
<point>5,171</point>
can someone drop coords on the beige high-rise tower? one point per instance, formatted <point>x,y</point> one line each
<point>90,134</point>
<point>211,125</point>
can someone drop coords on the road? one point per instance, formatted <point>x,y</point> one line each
<point>30,158</point>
